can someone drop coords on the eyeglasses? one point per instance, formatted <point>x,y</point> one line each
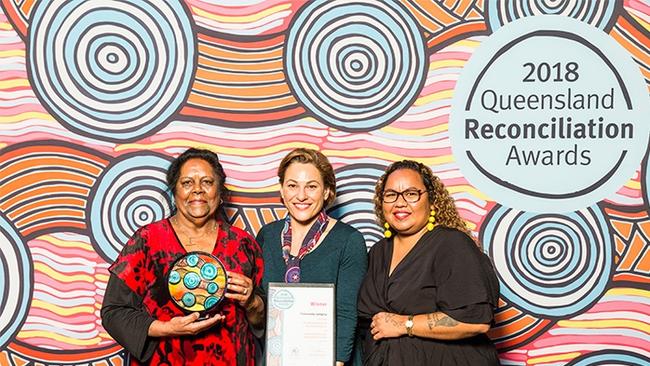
<point>409,195</point>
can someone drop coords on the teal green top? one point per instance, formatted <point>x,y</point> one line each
<point>340,259</point>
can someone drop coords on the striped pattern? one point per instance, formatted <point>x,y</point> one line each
<point>448,21</point>
<point>69,283</point>
<point>632,243</point>
<point>634,36</point>
<point>18,354</point>
<point>22,117</point>
<point>45,186</point>
<point>514,328</point>
<point>620,321</point>
<point>639,10</point>
<point>19,12</point>
<point>240,82</point>
<point>630,194</point>
<point>251,214</point>
<point>243,17</point>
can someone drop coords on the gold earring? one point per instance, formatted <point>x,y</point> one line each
<point>432,220</point>
<point>387,232</point>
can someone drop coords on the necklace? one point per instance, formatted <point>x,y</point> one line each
<point>180,228</point>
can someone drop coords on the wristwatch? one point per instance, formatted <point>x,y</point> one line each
<point>409,326</point>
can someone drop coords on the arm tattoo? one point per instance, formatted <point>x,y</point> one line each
<point>440,320</point>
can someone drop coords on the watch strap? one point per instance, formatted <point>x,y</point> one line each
<point>409,325</point>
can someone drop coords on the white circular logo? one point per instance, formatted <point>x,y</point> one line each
<point>549,115</point>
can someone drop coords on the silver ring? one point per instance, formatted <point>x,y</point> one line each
<point>245,291</point>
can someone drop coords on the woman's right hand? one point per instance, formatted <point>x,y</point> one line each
<point>183,325</point>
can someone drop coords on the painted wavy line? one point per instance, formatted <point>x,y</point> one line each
<point>17,18</point>
<point>9,39</point>
<point>30,182</point>
<point>110,354</point>
<point>435,17</point>
<point>448,22</point>
<point>515,328</point>
<point>628,195</point>
<point>639,10</point>
<point>631,242</point>
<point>621,312</point>
<point>236,80</point>
<point>68,273</point>
<point>245,18</point>
<point>25,129</point>
<point>43,315</point>
<point>636,40</point>
<point>16,94</point>
<point>19,14</point>
<point>45,289</point>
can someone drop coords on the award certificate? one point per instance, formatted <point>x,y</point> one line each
<point>300,324</point>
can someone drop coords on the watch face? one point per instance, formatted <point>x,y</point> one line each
<point>409,323</point>
<point>197,282</point>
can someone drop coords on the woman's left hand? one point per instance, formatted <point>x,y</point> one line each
<point>240,289</point>
<point>387,325</point>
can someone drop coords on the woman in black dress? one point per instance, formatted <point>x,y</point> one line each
<point>429,293</point>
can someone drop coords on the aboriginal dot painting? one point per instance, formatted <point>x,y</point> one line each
<point>197,282</point>
<point>97,97</point>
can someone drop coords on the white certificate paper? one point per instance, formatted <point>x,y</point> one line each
<point>300,324</point>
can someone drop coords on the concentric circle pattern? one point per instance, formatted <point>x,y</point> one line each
<point>550,265</point>
<point>597,13</point>
<point>15,281</point>
<point>130,194</point>
<point>356,65</point>
<point>115,72</point>
<point>355,189</point>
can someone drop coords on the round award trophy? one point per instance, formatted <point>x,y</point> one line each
<point>197,282</point>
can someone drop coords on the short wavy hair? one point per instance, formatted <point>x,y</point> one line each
<point>174,171</point>
<point>315,158</point>
<point>446,212</point>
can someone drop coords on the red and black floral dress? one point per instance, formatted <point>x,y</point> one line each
<point>137,295</point>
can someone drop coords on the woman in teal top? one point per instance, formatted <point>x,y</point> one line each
<point>309,246</point>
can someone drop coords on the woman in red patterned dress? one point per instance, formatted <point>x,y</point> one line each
<point>137,310</point>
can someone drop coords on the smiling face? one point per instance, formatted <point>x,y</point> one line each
<point>404,217</point>
<point>303,192</point>
<point>196,193</point>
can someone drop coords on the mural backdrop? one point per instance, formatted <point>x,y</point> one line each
<point>96,97</point>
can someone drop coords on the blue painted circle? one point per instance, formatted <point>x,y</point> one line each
<point>191,280</point>
<point>188,299</point>
<point>192,260</point>
<point>209,271</point>
<point>174,277</point>
<point>212,287</point>
<point>210,302</point>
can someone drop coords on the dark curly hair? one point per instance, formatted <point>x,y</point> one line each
<point>174,171</point>
<point>439,197</point>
